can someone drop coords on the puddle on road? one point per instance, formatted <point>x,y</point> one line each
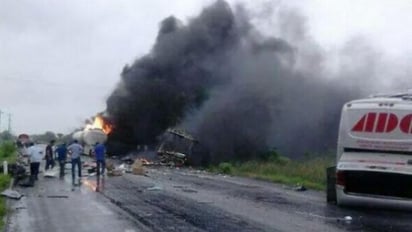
<point>96,185</point>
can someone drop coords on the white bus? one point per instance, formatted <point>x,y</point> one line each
<point>374,153</point>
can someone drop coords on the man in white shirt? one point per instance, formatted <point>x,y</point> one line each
<point>36,154</point>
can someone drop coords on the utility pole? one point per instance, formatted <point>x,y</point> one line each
<point>0,119</point>
<point>9,127</point>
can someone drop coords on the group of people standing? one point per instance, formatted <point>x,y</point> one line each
<point>63,152</point>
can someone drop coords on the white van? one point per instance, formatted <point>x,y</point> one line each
<point>374,153</point>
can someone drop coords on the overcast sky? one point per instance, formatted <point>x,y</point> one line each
<point>60,60</point>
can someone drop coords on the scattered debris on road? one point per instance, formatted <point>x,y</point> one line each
<point>154,188</point>
<point>110,166</point>
<point>348,218</point>
<point>92,170</point>
<point>146,162</point>
<point>116,172</point>
<point>12,194</point>
<point>188,190</point>
<point>137,167</point>
<point>26,182</point>
<point>89,164</point>
<point>112,170</point>
<point>299,188</point>
<point>125,168</point>
<point>57,196</point>
<point>50,173</point>
<point>127,160</point>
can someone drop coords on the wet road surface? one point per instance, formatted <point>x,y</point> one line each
<point>189,200</point>
<point>53,205</point>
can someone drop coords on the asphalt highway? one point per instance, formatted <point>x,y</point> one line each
<point>170,199</point>
<point>190,200</point>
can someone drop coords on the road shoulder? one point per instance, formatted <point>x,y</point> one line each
<point>52,205</point>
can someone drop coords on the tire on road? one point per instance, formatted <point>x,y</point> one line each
<point>330,185</point>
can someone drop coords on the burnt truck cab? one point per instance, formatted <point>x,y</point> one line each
<point>374,153</point>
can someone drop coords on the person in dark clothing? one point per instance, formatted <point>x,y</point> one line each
<point>75,150</point>
<point>99,152</point>
<point>61,157</point>
<point>49,155</point>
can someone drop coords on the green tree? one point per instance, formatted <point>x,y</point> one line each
<point>6,136</point>
<point>44,138</point>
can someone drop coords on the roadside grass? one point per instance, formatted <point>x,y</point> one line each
<point>4,184</point>
<point>8,152</point>
<point>309,172</point>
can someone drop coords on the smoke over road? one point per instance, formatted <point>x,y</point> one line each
<point>237,90</point>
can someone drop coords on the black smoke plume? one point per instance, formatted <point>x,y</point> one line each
<point>239,92</point>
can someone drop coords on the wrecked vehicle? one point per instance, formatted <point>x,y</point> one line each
<point>176,145</point>
<point>22,143</point>
<point>374,153</point>
<point>172,158</point>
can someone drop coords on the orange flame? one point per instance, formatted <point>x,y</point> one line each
<point>99,123</point>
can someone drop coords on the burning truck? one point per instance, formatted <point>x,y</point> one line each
<point>92,134</point>
<point>176,147</point>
